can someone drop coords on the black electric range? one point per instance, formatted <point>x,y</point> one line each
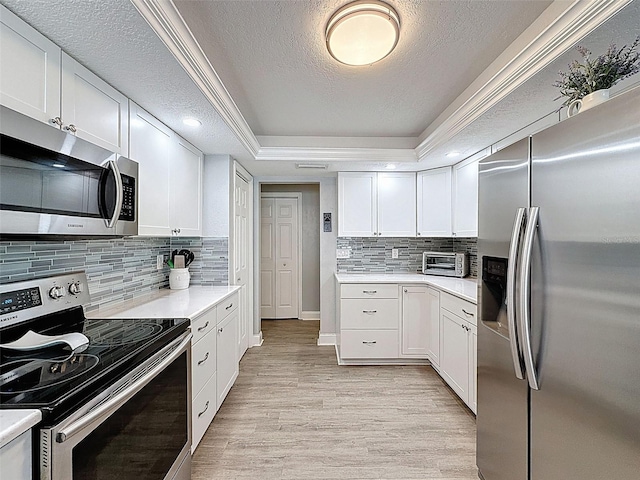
<point>55,379</point>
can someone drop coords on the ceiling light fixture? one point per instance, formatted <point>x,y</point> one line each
<point>192,122</point>
<point>318,166</point>
<point>452,154</point>
<point>362,32</point>
<point>58,165</point>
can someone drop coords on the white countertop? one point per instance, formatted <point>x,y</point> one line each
<point>166,303</point>
<point>465,288</point>
<point>14,423</point>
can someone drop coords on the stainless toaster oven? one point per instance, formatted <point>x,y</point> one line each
<point>448,264</point>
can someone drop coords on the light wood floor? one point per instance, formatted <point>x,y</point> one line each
<point>295,414</point>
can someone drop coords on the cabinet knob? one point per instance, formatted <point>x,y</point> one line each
<point>71,128</point>
<point>418,233</point>
<point>56,121</point>
<point>406,291</point>
<point>220,330</point>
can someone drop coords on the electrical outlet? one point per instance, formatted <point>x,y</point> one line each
<point>159,262</point>
<point>343,253</point>
<point>394,253</point>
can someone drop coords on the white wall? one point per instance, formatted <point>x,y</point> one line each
<point>310,237</point>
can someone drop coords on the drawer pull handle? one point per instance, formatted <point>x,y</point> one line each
<point>370,342</point>
<point>206,357</point>
<point>203,326</point>
<point>370,312</point>
<point>230,305</point>
<point>467,313</point>
<point>370,292</point>
<point>206,407</point>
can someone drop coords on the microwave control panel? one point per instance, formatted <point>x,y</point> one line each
<point>129,198</point>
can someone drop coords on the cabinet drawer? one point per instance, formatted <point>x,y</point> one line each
<point>375,313</point>
<point>203,362</point>
<point>369,290</point>
<point>369,344</point>
<point>462,308</point>
<point>203,324</point>
<point>202,411</point>
<point>227,306</point>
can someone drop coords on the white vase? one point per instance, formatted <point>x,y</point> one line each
<point>179,278</point>
<point>587,102</point>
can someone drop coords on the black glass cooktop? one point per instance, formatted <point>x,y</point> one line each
<point>55,379</point>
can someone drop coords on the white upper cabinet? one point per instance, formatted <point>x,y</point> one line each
<point>93,109</point>
<point>376,204</point>
<point>396,204</point>
<point>465,197</point>
<point>434,203</point>
<point>151,148</point>
<point>357,204</point>
<point>29,70</point>
<point>185,188</point>
<point>170,184</point>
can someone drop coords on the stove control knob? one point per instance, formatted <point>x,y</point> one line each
<point>75,288</point>
<point>57,292</point>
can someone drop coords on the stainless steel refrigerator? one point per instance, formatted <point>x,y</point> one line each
<point>559,337</point>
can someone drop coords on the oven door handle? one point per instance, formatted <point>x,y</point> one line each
<point>105,409</point>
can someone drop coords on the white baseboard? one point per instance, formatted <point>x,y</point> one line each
<point>326,339</point>
<point>310,315</point>
<point>256,340</point>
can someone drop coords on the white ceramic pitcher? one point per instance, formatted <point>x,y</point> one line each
<point>585,103</point>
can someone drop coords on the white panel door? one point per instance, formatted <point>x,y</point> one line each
<point>286,257</point>
<point>93,109</point>
<point>434,203</point>
<point>29,70</point>
<point>151,147</point>
<point>185,188</point>
<point>397,204</point>
<point>241,257</point>
<point>465,198</point>
<point>357,204</point>
<point>267,258</point>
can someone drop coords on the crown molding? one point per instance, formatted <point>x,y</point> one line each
<point>347,154</point>
<point>581,18</point>
<point>166,21</point>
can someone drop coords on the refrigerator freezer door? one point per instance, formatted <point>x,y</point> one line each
<point>502,398</point>
<point>585,303</point>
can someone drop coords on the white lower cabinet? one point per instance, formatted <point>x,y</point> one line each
<point>420,322</point>
<point>458,351</point>
<point>16,458</point>
<point>214,363</point>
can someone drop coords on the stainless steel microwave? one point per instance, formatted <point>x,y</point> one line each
<point>445,263</point>
<point>54,183</point>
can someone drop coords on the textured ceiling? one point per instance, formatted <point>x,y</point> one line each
<point>111,38</point>
<point>272,58</point>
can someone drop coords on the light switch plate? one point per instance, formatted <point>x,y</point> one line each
<point>343,253</point>
<point>394,253</point>
<point>159,262</point>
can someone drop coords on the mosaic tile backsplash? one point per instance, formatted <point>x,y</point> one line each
<point>117,269</point>
<point>373,255</point>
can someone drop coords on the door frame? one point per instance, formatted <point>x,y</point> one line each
<point>298,197</point>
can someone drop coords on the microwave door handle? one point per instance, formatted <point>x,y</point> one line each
<point>524,309</point>
<point>105,409</point>
<point>110,222</point>
<point>514,245</point>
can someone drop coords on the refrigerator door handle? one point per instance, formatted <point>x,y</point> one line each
<point>525,296</point>
<point>514,245</point>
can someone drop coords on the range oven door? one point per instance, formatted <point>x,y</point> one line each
<point>137,429</point>
<point>53,183</point>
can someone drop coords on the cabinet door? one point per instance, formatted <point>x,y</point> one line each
<point>473,368</point>
<point>434,203</point>
<point>357,197</point>
<point>185,188</point>
<point>454,353</point>
<point>93,109</point>
<point>415,326</point>
<point>29,69</point>
<point>465,198</point>
<point>227,355</point>
<point>432,317</point>
<point>397,204</point>
<point>151,148</point>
